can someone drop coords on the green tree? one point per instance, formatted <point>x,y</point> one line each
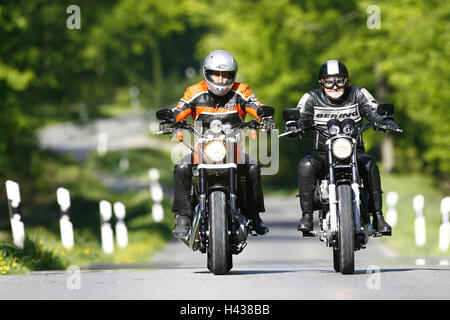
<point>280,46</point>
<point>410,53</point>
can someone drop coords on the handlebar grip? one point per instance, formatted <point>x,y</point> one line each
<point>384,127</point>
<point>289,132</point>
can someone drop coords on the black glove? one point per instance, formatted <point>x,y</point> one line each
<point>166,126</point>
<point>390,124</point>
<point>269,123</point>
<point>291,126</point>
<point>253,124</point>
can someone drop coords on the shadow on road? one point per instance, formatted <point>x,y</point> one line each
<point>364,272</point>
<point>246,272</point>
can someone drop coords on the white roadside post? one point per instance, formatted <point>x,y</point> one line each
<point>124,163</point>
<point>157,195</point>
<point>102,143</point>
<point>121,228</point>
<point>17,226</point>
<point>444,229</point>
<point>419,224</point>
<point>105,227</point>
<point>134,93</point>
<point>66,227</point>
<point>391,215</point>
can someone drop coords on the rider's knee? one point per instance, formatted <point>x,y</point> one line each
<point>305,167</point>
<point>254,170</point>
<point>182,168</point>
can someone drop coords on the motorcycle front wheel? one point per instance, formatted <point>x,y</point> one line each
<point>219,253</point>
<point>345,254</point>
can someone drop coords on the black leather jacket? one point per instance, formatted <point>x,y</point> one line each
<point>356,103</point>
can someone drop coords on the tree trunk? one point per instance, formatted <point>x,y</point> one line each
<point>387,144</point>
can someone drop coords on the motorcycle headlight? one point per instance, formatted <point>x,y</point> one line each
<point>342,148</point>
<point>215,151</point>
<point>334,126</point>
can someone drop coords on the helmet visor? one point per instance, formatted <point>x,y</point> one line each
<point>330,82</point>
<point>224,78</point>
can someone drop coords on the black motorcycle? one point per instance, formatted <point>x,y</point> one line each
<point>219,226</point>
<point>341,198</point>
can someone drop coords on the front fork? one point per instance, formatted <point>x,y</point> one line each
<point>356,193</point>
<point>356,198</point>
<point>202,201</point>
<point>233,201</point>
<point>203,195</point>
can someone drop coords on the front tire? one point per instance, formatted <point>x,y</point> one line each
<point>219,253</point>
<point>346,235</point>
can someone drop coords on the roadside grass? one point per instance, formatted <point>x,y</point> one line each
<point>139,161</point>
<point>403,235</point>
<point>40,213</point>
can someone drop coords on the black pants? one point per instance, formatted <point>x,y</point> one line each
<point>314,167</point>
<point>182,178</point>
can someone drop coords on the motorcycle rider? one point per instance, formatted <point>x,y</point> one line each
<point>217,93</point>
<point>335,97</point>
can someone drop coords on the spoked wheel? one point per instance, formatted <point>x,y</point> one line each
<point>219,253</point>
<point>344,257</point>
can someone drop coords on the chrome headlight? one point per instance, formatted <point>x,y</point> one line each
<point>216,126</point>
<point>342,148</point>
<point>334,126</point>
<point>215,151</point>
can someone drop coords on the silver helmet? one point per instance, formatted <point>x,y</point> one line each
<point>219,60</point>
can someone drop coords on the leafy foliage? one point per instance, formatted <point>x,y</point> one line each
<point>47,69</point>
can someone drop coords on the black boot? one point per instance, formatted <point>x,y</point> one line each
<point>258,225</point>
<point>183,226</point>
<point>380,225</point>
<point>306,223</point>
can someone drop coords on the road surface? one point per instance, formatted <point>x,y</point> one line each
<point>278,266</point>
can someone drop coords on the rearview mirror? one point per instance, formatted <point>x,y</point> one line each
<point>164,114</point>
<point>291,114</point>
<point>265,111</point>
<point>385,109</point>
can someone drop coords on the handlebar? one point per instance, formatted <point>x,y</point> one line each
<point>289,132</point>
<point>171,126</point>
<point>375,125</point>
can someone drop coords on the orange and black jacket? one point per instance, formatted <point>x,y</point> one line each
<point>197,99</point>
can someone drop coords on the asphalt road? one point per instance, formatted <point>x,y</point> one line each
<point>278,266</point>
<point>126,131</point>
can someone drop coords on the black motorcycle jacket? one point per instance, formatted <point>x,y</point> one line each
<point>355,104</point>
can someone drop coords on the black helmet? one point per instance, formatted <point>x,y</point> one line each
<point>331,68</point>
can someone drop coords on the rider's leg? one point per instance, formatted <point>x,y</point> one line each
<point>182,180</point>
<point>309,170</point>
<point>255,196</point>
<point>371,178</point>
